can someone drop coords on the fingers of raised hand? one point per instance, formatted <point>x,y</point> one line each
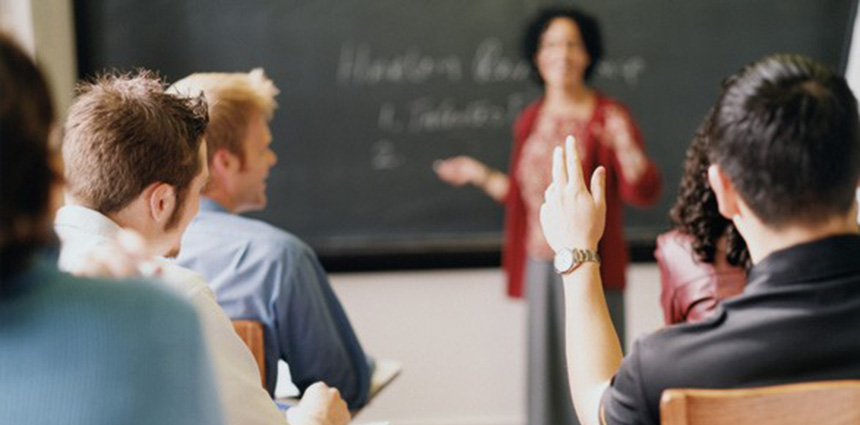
<point>551,230</point>
<point>598,187</point>
<point>573,164</point>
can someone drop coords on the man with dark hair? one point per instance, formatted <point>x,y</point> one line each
<point>75,350</point>
<point>136,159</point>
<point>786,161</point>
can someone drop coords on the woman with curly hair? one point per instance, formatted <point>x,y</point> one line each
<point>702,260</point>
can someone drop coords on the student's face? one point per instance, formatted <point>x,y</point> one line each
<point>189,210</point>
<point>562,57</point>
<point>249,185</point>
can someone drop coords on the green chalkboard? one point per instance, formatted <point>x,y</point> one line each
<point>374,91</point>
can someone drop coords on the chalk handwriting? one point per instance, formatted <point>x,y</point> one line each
<point>430,114</point>
<point>357,66</point>
<point>627,69</point>
<point>490,65</point>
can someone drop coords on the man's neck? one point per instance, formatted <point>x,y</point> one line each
<point>222,199</point>
<point>763,241</point>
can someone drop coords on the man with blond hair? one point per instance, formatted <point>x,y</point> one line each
<point>258,271</point>
<point>135,159</point>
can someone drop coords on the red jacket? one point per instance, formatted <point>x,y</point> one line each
<point>612,248</point>
<point>692,289</point>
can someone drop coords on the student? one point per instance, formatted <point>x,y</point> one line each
<point>135,159</point>
<point>702,259</point>
<point>785,154</point>
<point>258,271</point>
<point>74,350</point>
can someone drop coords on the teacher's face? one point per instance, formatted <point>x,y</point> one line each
<point>562,57</point>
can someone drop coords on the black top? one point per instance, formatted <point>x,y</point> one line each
<point>797,320</point>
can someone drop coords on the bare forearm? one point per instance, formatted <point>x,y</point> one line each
<point>495,185</point>
<point>593,350</point>
<point>633,163</point>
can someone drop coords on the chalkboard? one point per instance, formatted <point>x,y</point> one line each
<point>374,91</point>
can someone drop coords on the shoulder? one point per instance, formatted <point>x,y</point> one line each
<point>186,282</point>
<point>676,354</point>
<point>246,230</point>
<point>679,264</point>
<point>526,118</point>
<point>115,300</point>
<point>674,243</point>
<point>608,106</point>
<point>261,241</point>
<point>606,101</point>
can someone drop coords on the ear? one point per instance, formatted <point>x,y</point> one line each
<point>161,200</point>
<point>224,162</point>
<point>727,197</point>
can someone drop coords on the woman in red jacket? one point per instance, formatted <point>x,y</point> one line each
<point>564,46</point>
<point>702,260</point>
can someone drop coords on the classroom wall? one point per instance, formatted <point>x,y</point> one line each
<point>45,28</point>
<point>462,342</point>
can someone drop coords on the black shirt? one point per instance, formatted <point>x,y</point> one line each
<point>797,320</point>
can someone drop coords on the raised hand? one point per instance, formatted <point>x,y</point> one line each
<point>618,135</point>
<point>571,216</point>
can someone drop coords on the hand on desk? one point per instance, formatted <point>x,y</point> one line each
<point>320,405</point>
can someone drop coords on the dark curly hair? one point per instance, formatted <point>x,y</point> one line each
<point>696,212</point>
<point>589,29</point>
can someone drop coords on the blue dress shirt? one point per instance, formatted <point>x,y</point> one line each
<point>263,273</point>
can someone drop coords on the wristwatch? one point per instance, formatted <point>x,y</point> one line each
<point>567,259</point>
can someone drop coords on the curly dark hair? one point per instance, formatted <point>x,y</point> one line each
<point>589,29</point>
<point>696,212</point>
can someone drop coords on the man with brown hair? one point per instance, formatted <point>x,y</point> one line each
<point>258,271</point>
<point>135,158</point>
<point>74,350</point>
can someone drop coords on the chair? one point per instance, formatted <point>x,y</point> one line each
<point>251,332</point>
<point>820,403</point>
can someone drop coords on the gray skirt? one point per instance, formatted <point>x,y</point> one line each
<point>549,401</point>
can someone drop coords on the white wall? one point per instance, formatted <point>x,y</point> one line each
<point>460,339</point>
<point>45,29</point>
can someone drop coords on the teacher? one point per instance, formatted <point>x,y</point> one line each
<point>563,46</point>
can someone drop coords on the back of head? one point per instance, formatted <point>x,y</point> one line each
<point>124,133</point>
<point>785,131</point>
<point>696,212</point>
<point>26,116</point>
<point>233,99</point>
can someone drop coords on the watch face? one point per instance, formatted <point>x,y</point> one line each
<point>563,261</point>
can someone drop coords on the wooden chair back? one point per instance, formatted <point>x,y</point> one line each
<point>251,332</point>
<point>820,403</point>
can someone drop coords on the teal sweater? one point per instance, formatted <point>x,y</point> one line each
<point>91,352</point>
